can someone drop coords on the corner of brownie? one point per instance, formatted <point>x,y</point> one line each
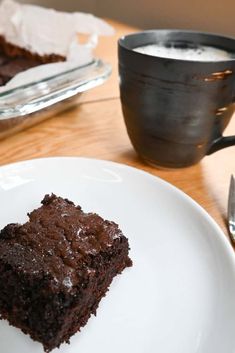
<point>55,268</point>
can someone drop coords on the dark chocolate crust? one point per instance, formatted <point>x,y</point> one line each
<point>55,269</point>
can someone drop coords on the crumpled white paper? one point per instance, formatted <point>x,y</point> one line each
<point>46,31</point>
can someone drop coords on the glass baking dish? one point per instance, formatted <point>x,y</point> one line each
<point>29,104</point>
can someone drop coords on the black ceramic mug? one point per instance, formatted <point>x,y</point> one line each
<point>176,110</point>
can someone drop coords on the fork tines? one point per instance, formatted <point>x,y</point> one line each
<point>231,208</point>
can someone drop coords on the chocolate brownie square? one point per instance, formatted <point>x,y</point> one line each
<point>55,269</point>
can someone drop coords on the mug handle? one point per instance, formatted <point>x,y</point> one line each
<point>221,142</point>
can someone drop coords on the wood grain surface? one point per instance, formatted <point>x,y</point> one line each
<point>95,128</point>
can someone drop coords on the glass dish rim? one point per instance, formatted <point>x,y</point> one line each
<point>31,98</point>
<point>48,78</point>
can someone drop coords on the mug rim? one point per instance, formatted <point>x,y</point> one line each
<point>122,43</point>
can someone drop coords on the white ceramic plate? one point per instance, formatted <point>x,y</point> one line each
<point>179,297</point>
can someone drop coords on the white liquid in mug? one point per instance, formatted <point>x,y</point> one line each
<point>201,53</point>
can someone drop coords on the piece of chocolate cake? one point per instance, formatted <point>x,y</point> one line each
<point>35,35</point>
<point>55,269</point>
<point>15,59</point>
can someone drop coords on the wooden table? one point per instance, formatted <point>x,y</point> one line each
<point>95,128</point>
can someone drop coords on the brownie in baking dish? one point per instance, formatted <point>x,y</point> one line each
<point>9,67</point>
<point>14,60</point>
<point>55,268</point>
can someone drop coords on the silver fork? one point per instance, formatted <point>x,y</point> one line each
<point>231,208</point>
